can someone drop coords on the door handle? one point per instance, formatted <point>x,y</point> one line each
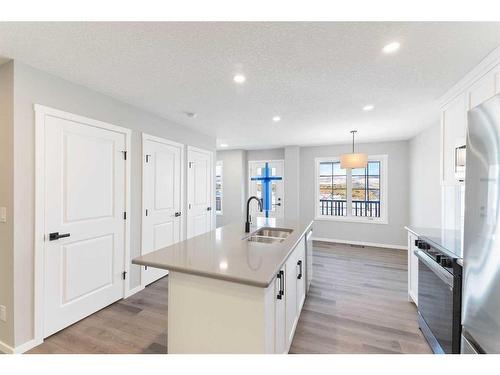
<point>177,214</point>
<point>299,263</point>
<point>55,236</point>
<point>209,208</point>
<point>277,204</point>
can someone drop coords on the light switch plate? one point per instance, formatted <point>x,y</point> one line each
<point>3,214</point>
<point>3,313</point>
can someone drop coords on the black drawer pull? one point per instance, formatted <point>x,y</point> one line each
<point>278,296</point>
<point>299,263</point>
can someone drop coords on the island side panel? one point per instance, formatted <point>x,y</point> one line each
<point>214,316</point>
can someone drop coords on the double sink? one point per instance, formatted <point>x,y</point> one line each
<point>269,235</point>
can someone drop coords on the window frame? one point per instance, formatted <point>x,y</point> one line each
<point>383,219</point>
<point>221,164</point>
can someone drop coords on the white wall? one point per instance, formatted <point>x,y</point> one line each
<point>292,183</point>
<point>233,185</point>
<point>425,187</point>
<point>266,154</point>
<point>392,233</point>
<point>6,198</point>
<point>33,86</point>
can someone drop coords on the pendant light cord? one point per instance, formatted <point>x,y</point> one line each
<point>353,132</point>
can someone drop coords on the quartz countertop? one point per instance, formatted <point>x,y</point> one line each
<point>225,254</point>
<point>448,241</point>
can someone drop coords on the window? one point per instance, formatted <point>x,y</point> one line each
<point>218,188</point>
<point>352,194</point>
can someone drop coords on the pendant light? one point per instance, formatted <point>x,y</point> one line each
<point>353,160</point>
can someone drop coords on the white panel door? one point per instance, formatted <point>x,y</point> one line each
<point>84,202</point>
<point>200,173</point>
<point>256,169</point>
<point>162,183</point>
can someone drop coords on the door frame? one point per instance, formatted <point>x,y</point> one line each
<point>39,241</point>
<point>249,176</point>
<point>212,185</point>
<point>149,137</point>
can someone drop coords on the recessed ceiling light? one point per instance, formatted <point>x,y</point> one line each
<point>368,107</point>
<point>276,119</point>
<point>239,78</point>
<point>224,145</point>
<point>391,47</point>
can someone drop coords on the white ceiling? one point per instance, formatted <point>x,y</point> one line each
<point>316,76</point>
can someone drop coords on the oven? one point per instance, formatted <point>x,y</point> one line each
<point>439,298</point>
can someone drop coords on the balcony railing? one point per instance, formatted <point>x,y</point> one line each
<point>218,204</point>
<point>334,207</point>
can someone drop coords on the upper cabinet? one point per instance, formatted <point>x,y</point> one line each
<point>453,125</point>
<point>482,90</point>
<point>497,79</point>
<point>479,85</point>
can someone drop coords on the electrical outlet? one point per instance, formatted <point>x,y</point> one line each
<point>3,313</point>
<point>3,214</point>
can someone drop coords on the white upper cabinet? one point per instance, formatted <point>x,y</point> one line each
<point>479,85</point>
<point>482,90</point>
<point>496,72</point>
<point>453,125</point>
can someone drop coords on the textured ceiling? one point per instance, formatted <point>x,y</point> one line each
<point>316,76</point>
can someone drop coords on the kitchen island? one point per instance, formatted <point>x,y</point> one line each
<point>236,292</point>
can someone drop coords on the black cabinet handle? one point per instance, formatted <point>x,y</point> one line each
<point>299,263</point>
<point>278,296</point>
<point>55,236</point>
<point>177,214</point>
<point>209,208</point>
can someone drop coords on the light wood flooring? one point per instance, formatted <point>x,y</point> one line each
<point>357,304</point>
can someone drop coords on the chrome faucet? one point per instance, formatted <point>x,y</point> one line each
<point>247,224</point>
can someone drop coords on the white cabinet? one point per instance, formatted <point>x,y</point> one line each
<point>412,269</point>
<point>301,276</point>
<point>288,303</point>
<point>482,90</point>
<point>280,337</point>
<point>453,125</point>
<point>496,73</point>
<point>291,295</point>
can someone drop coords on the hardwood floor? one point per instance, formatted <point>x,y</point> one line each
<point>357,304</point>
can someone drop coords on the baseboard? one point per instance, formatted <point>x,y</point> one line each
<point>133,291</point>
<point>21,348</point>
<point>361,243</point>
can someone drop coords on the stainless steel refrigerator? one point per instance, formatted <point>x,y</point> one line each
<point>481,290</point>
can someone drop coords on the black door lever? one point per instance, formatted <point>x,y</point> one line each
<point>55,236</point>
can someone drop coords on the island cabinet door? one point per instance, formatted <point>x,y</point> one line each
<point>301,275</point>
<point>291,295</point>
<point>280,341</point>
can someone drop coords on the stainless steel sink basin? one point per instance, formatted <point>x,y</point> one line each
<point>265,239</point>
<point>270,235</point>
<point>273,232</point>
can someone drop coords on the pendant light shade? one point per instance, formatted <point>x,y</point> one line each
<point>353,160</point>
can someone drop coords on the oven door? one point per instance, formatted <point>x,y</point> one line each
<point>435,301</point>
